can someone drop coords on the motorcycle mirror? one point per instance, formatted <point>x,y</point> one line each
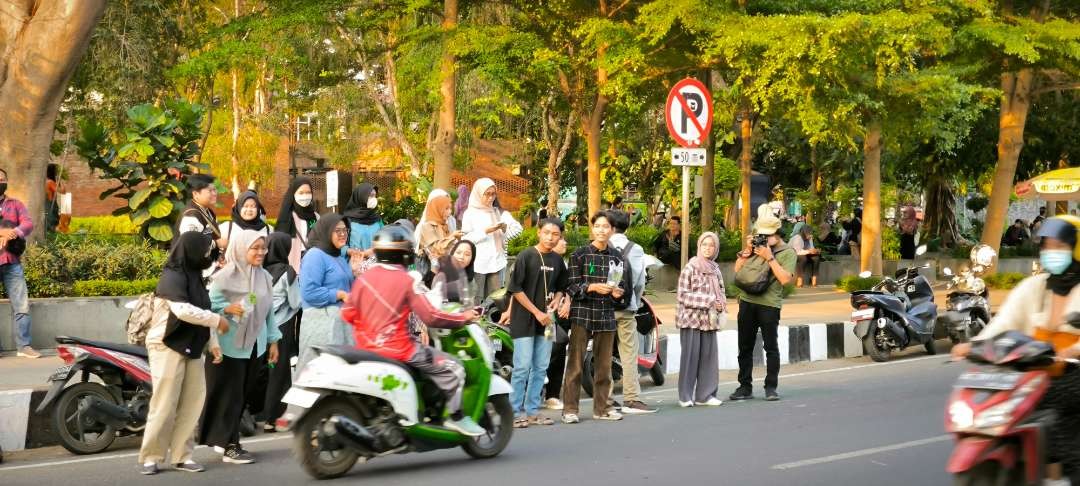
<point>865,274</point>
<point>921,250</point>
<point>947,271</point>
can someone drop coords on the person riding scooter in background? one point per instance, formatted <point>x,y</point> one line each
<point>379,306</point>
<point>1039,306</point>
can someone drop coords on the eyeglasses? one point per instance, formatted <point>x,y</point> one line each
<point>341,231</point>
<point>259,250</point>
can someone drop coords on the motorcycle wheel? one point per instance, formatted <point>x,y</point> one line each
<point>78,433</point>
<point>990,474</point>
<point>872,350</point>
<point>977,325</point>
<point>310,447</point>
<point>498,421</point>
<point>931,346</point>
<point>657,374</point>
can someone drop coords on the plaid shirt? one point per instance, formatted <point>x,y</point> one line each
<point>589,265</point>
<point>13,210</point>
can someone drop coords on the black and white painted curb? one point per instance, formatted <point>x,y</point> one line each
<point>20,428</point>
<point>798,343</point>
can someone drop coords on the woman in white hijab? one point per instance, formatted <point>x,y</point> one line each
<point>487,229</point>
<point>242,290</point>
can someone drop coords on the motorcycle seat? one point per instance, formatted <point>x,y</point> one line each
<point>122,348</point>
<point>352,355</point>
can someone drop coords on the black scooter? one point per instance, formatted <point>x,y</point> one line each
<point>967,308</point>
<point>896,313</point>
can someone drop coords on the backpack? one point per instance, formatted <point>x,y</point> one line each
<point>147,310</point>
<point>755,277</point>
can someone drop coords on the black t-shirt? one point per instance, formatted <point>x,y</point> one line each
<point>530,271</point>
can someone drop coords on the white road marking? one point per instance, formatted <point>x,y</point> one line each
<point>651,392</point>
<point>861,453</point>
<point>120,456</point>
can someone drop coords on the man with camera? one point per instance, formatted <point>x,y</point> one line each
<point>762,270</point>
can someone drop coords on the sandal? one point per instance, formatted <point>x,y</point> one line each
<point>541,420</point>
<point>521,423</point>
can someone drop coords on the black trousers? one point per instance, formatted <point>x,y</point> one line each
<point>280,377</point>
<point>807,267</point>
<point>751,318</point>
<point>1064,437</point>
<point>226,388</point>
<point>555,371</point>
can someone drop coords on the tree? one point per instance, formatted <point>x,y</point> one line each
<point>41,44</point>
<point>446,136</point>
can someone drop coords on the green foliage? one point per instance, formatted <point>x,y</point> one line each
<point>101,288</point>
<point>103,225</point>
<point>890,243</point>
<point>977,203</point>
<point>731,243</point>
<point>52,270</point>
<point>1003,280</point>
<point>527,238</point>
<point>851,283</point>
<point>149,158</point>
<point>644,235</point>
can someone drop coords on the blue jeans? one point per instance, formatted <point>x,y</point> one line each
<point>15,285</point>
<point>531,358</point>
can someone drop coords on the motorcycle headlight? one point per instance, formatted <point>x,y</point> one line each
<point>1001,413</point>
<point>961,415</point>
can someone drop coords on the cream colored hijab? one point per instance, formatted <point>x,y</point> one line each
<point>244,283</point>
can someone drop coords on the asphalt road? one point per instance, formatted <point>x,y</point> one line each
<point>843,422</point>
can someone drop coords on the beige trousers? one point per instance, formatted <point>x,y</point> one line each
<point>175,407</point>
<point>628,355</point>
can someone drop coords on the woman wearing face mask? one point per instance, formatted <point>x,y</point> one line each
<point>325,281</point>
<point>1046,307</point>
<point>244,292</point>
<point>364,220</point>
<point>455,274</point>
<point>297,217</point>
<point>483,226</point>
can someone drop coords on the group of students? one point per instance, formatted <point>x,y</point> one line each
<point>259,298</point>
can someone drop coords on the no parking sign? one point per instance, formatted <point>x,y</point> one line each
<point>689,112</point>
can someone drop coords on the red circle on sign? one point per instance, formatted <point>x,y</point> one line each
<point>676,96</point>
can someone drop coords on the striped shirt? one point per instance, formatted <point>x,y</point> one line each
<point>589,265</point>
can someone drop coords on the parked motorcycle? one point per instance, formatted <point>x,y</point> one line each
<point>1000,437</point>
<point>896,313</point>
<point>651,343</point>
<point>88,416</point>
<point>967,308</point>
<point>349,403</point>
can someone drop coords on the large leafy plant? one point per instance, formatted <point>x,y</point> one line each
<point>150,157</point>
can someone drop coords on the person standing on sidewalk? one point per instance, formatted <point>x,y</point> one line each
<point>175,345</point>
<point>634,255</point>
<point>17,225</point>
<point>557,364</point>
<point>592,316</point>
<point>537,285</point>
<point>702,311</point>
<point>773,264</point>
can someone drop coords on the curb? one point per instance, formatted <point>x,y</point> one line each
<point>20,428</point>
<point>796,344</point>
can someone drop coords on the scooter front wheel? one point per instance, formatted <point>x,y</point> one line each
<point>498,421</point>
<point>990,473</point>
<point>319,454</point>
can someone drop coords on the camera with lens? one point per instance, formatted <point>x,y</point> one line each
<point>760,240</point>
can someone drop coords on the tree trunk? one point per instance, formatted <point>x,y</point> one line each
<point>555,159</point>
<point>41,44</point>
<point>870,240</point>
<point>708,174</point>
<point>746,134</point>
<point>1015,105</point>
<point>233,156</point>
<point>446,137</point>
<point>941,210</point>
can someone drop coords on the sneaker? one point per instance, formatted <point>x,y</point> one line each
<point>614,405</point>
<point>149,469</point>
<point>219,450</point>
<point>553,404</point>
<point>711,402</point>
<point>771,396</point>
<point>611,415</point>
<point>28,352</point>
<point>236,455</point>
<point>466,426</point>
<point>685,404</point>
<point>741,394</point>
<point>636,407</point>
<point>269,428</point>
<point>570,418</point>
<point>1057,482</point>
<point>193,467</point>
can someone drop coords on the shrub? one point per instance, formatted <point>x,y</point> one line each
<point>527,238</point>
<point>890,243</point>
<point>52,270</point>
<point>643,235</point>
<point>851,283</point>
<point>1005,281</point>
<point>98,288</point>
<point>104,225</point>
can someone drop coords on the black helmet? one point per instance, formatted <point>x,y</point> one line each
<point>393,244</point>
<point>1064,228</point>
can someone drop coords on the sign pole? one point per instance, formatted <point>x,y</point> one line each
<point>685,215</point>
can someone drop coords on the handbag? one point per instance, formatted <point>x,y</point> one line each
<point>646,318</point>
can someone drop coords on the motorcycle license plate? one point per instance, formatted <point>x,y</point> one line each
<point>862,315</point>
<point>988,381</point>
<point>497,344</point>
<point>61,373</point>
<point>300,397</point>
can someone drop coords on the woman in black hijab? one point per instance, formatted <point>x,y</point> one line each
<point>247,214</point>
<point>287,315</point>
<point>175,347</point>
<point>297,217</point>
<point>325,280</point>
<point>364,219</point>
